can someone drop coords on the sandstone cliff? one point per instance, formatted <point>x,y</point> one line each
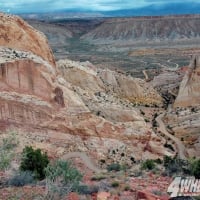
<point>189,91</point>
<point>110,82</point>
<point>17,34</point>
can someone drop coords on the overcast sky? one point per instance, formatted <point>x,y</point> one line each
<point>96,5</point>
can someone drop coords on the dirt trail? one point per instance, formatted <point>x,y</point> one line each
<point>145,75</point>
<point>85,158</point>
<point>180,147</point>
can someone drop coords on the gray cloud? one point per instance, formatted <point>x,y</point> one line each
<point>49,5</point>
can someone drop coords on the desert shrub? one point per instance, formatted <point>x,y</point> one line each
<point>154,124</point>
<point>157,192</point>
<point>142,112</point>
<point>195,168</point>
<point>61,179</point>
<point>122,154</point>
<point>175,165</point>
<point>167,161</point>
<point>155,115</point>
<point>169,146</point>
<point>115,184</point>
<point>21,179</point>
<point>127,188</point>
<point>34,161</point>
<point>137,173</point>
<point>133,160</point>
<point>124,167</point>
<point>7,146</point>
<point>10,142</point>
<point>98,178</point>
<point>148,164</point>
<point>102,161</point>
<point>5,160</point>
<point>158,161</point>
<point>156,170</point>
<point>114,167</point>
<point>197,198</point>
<point>85,190</point>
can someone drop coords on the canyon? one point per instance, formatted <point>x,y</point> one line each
<point>65,102</point>
<point>130,44</point>
<point>99,112</point>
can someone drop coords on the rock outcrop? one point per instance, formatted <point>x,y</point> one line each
<point>184,123</point>
<point>189,91</point>
<point>79,112</point>
<point>183,119</point>
<point>17,34</point>
<point>113,83</point>
<point>133,89</point>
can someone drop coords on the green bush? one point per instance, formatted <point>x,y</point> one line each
<point>61,179</point>
<point>85,190</point>
<point>142,112</point>
<point>197,198</point>
<point>5,160</point>
<point>158,161</point>
<point>175,166</point>
<point>114,167</point>
<point>98,178</point>
<point>157,192</point>
<point>115,184</point>
<point>124,167</point>
<point>169,146</point>
<point>167,161</point>
<point>127,188</point>
<point>195,168</point>
<point>133,160</point>
<point>148,164</point>
<point>21,179</point>
<point>7,146</point>
<point>34,161</point>
<point>10,142</point>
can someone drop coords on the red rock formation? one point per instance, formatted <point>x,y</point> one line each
<point>17,34</point>
<point>21,113</point>
<point>50,111</point>
<point>24,77</point>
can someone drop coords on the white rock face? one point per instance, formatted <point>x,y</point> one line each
<point>189,92</point>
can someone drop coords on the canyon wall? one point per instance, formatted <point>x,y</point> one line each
<point>72,107</point>
<point>17,34</point>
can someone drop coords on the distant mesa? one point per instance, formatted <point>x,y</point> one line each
<point>145,29</point>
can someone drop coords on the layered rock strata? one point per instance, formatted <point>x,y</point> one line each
<point>80,112</point>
